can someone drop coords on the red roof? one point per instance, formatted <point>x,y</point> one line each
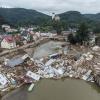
<point>9,39</point>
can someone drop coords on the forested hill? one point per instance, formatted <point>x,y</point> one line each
<point>23,16</point>
<point>75,18</point>
<point>2,20</point>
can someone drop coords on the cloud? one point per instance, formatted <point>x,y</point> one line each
<point>57,6</point>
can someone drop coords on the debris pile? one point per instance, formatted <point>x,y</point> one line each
<point>25,70</point>
<point>96,48</point>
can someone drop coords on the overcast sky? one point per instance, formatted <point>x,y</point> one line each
<point>57,6</point>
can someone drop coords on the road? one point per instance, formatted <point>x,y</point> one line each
<point>24,46</point>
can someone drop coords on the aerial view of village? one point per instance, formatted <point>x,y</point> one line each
<point>49,50</point>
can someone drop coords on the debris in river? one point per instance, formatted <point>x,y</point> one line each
<point>33,75</point>
<point>87,75</point>
<point>31,87</point>
<point>3,80</point>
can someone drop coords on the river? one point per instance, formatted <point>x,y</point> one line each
<point>47,89</point>
<point>68,89</point>
<point>46,49</point>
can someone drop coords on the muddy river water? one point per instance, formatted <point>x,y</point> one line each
<point>47,89</point>
<point>68,89</point>
<point>46,49</point>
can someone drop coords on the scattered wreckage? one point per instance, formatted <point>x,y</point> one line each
<point>26,70</point>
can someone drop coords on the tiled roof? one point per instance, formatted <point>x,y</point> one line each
<point>9,39</point>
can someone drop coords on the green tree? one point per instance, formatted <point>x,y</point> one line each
<point>96,29</point>
<point>82,34</point>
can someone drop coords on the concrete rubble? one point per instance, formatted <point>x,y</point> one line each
<point>96,48</point>
<point>24,70</point>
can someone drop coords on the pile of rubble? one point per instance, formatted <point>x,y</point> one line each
<point>24,70</point>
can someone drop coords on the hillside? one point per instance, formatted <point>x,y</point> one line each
<point>72,17</point>
<point>2,20</point>
<point>94,17</point>
<point>75,18</point>
<point>23,16</point>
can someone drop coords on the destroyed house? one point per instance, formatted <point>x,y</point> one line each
<point>16,62</point>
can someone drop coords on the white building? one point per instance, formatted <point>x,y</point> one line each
<point>6,26</point>
<point>8,42</point>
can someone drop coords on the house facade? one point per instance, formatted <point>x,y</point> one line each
<point>8,42</point>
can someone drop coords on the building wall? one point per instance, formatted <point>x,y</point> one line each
<point>5,44</point>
